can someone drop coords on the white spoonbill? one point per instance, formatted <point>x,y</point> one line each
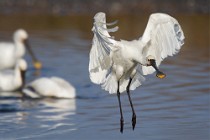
<point>11,52</point>
<point>49,87</point>
<point>120,65</point>
<point>13,79</point>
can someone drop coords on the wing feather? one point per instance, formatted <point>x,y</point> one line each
<point>102,45</point>
<point>162,37</point>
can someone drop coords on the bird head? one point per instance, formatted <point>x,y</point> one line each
<point>150,60</point>
<point>20,35</point>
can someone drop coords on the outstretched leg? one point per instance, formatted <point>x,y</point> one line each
<point>134,114</point>
<point>121,115</point>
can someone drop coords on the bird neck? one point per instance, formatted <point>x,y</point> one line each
<point>140,58</point>
<point>19,49</point>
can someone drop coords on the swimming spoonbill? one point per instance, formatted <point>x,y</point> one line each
<point>120,65</point>
<point>13,79</point>
<point>49,87</point>
<point>11,52</point>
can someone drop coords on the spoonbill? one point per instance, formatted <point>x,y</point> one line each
<point>13,79</point>
<point>11,52</point>
<point>49,87</point>
<point>120,65</point>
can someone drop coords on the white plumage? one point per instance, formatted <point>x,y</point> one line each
<point>120,65</point>
<point>112,61</point>
<point>10,52</point>
<point>49,87</point>
<point>12,79</point>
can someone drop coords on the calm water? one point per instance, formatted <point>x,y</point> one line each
<point>174,108</point>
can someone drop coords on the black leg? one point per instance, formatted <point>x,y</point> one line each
<point>134,114</point>
<point>121,115</point>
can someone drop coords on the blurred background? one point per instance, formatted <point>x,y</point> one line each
<point>81,7</point>
<point>78,14</point>
<point>176,107</point>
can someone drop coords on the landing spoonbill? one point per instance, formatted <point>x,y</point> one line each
<point>120,65</point>
<point>13,79</point>
<point>10,52</point>
<point>49,87</point>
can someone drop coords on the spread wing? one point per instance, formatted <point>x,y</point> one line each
<point>102,45</point>
<point>162,37</point>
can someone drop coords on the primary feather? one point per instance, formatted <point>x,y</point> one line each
<point>162,37</point>
<point>101,46</point>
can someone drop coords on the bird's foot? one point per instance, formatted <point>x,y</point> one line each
<point>134,121</point>
<point>121,125</point>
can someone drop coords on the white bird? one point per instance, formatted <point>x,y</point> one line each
<point>10,52</point>
<point>13,79</point>
<point>120,65</point>
<point>49,87</point>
